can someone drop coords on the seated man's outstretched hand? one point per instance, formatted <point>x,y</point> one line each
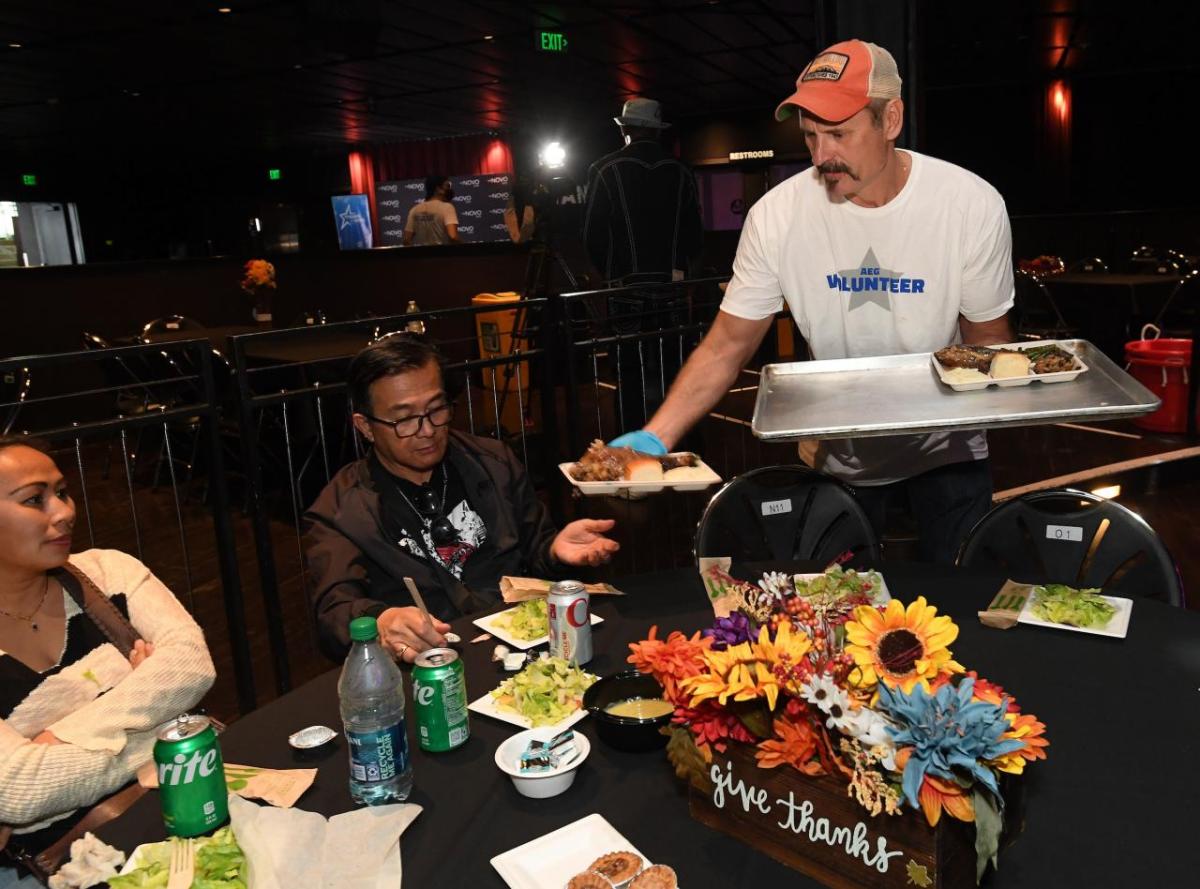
<point>583,543</point>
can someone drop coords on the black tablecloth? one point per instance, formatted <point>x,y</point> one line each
<point>1114,805</point>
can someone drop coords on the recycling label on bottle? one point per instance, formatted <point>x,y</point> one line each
<point>379,755</point>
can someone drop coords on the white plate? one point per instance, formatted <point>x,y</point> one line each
<point>489,623</point>
<point>132,863</point>
<point>882,597</point>
<point>1117,626</point>
<point>551,860</point>
<point>1062,377</point>
<point>488,706</point>
<point>594,489</point>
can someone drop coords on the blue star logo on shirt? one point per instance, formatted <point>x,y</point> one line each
<point>869,283</point>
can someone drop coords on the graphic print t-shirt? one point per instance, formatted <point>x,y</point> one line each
<point>428,220</point>
<point>412,534</point>
<point>866,281</point>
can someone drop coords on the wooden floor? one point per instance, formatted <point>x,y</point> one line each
<point>655,532</point>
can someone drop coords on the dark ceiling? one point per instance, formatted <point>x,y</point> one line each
<point>273,74</point>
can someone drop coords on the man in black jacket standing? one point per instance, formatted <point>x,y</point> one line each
<point>643,213</point>
<point>453,511</point>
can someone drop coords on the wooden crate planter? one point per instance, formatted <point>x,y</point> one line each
<point>812,825</point>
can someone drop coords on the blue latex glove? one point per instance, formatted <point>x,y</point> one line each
<point>641,440</point>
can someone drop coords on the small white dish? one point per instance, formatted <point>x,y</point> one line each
<point>593,489</point>
<point>1116,628</point>
<point>487,706</point>
<point>488,622</point>
<point>539,785</point>
<point>549,861</point>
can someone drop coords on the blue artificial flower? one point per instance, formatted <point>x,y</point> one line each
<point>732,630</point>
<point>947,731</point>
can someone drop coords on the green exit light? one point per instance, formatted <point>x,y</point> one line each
<point>29,179</point>
<point>552,41</point>
<point>274,173</point>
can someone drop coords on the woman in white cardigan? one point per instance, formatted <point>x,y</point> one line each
<point>77,718</point>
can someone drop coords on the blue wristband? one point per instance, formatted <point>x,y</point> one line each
<point>641,440</point>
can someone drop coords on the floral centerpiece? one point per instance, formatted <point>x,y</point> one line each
<point>258,282</point>
<point>836,683</point>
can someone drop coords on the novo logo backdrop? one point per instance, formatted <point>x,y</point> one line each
<point>479,199</point>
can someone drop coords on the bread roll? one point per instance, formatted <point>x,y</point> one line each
<point>1007,365</point>
<point>643,469</point>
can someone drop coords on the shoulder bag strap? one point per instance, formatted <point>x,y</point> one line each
<point>104,614</point>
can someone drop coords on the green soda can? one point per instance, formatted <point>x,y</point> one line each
<point>440,699</point>
<point>191,776</point>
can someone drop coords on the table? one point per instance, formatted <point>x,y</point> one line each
<point>218,336</point>
<point>1114,805</point>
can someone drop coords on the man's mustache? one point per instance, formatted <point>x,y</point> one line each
<point>833,167</point>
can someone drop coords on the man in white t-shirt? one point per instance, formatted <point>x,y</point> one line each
<point>434,220</point>
<point>875,251</point>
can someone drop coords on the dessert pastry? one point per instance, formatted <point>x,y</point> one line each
<point>1007,365</point>
<point>617,866</point>
<point>657,876</point>
<point>589,880</point>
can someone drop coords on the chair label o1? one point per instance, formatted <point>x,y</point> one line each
<point>776,507</point>
<point>1064,532</point>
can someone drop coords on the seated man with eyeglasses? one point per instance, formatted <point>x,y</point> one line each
<point>455,512</point>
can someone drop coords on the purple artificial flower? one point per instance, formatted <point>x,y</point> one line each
<point>732,630</point>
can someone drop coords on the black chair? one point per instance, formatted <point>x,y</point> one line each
<point>1092,265</point>
<point>168,324</point>
<point>785,513</point>
<point>1076,538</point>
<point>15,386</point>
<point>1038,315</point>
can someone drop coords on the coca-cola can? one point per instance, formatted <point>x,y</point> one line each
<point>569,614</point>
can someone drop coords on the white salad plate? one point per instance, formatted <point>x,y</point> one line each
<point>1117,627</point>
<point>1062,377</point>
<point>488,623</point>
<point>488,706</point>
<point>549,861</point>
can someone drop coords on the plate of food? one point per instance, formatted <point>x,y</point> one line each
<point>219,862</point>
<point>1080,610</point>
<point>842,583</point>
<point>575,855</point>
<point>969,368</point>
<point>547,692</point>
<point>522,626</point>
<point>606,470</point>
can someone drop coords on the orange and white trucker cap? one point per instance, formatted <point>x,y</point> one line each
<point>841,80</point>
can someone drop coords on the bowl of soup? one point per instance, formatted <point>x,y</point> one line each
<point>629,710</point>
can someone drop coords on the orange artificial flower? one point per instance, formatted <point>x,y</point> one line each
<point>1025,728</point>
<point>795,744</point>
<point>671,660</point>
<point>937,795</point>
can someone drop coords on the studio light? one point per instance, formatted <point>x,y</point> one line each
<point>552,155</point>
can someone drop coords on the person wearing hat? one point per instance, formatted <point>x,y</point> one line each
<point>875,251</point>
<point>642,226</point>
<point>643,214</point>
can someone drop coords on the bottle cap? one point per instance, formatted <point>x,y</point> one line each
<point>363,629</point>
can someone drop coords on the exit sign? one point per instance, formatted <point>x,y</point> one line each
<point>274,173</point>
<point>551,41</point>
<point>28,179</point>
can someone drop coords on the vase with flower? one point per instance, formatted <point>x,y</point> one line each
<point>258,282</point>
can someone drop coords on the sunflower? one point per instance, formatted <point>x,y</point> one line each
<point>900,647</point>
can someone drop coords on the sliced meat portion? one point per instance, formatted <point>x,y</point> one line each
<point>976,357</point>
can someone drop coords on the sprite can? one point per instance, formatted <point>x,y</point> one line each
<point>440,700</point>
<point>191,776</point>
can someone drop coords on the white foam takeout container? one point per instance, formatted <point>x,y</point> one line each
<point>1062,377</point>
<point>594,489</point>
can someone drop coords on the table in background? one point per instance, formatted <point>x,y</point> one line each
<point>1105,307</point>
<point>1112,806</point>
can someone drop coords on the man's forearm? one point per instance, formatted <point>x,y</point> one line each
<point>707,375</point>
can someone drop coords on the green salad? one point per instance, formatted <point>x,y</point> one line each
<point>220,864</point>
<point>1061,604</point>
<point>525,622</point>
<point>839,583</point>
<point>548,690</point>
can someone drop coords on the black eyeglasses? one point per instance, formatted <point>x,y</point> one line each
<point>407,427</point>
<point>442,532</point>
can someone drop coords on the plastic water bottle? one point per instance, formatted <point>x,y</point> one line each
<point>371,695</point>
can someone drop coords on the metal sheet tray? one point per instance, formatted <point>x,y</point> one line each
<point>901,394</point>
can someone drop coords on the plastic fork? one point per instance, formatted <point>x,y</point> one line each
<point>183,864</point>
